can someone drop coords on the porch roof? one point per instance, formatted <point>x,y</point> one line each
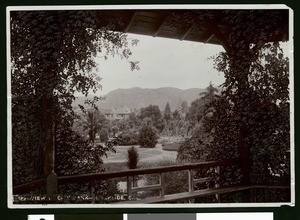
<point>159,23</point>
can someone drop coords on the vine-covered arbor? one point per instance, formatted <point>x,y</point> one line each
<point>242,33</point>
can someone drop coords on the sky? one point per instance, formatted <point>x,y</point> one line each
<point>163,63</point>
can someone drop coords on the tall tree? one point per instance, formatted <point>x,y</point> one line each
<point>197,146</point>
<point>199,106</point>
<point>52,55</point>
<point>167,112</point>
<point>153,113</point>
<point>265,112</point>
<point>249,37</point>
<point>93,122</point>
<point>209,92</point>
<point>184,107</point>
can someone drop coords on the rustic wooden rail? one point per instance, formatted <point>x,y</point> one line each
<point>133,189</point>
<point>24,188</point>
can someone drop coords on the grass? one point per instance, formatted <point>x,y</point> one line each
<point>114,167</point>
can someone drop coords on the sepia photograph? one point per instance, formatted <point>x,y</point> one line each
<point>150,106</point>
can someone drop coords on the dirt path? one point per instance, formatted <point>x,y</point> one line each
<point>145,154</point>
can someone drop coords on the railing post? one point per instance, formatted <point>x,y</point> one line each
<point>217,179</point>
<point>51,184</point>
<point>253,195</point>
<point>244,154</point>
<point>191,180</point>
<point>162,183</point>
<point>191,183</point>
<point>129,187</point>
<point>267,178</point>
<point>93,195</point>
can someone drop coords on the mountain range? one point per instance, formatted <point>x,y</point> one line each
<point>136,98</point>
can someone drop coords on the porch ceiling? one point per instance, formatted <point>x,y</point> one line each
<point>159,23</point>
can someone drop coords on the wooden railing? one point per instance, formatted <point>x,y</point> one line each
<point>133,189</point>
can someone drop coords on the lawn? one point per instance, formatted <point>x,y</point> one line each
<point>146,155</point>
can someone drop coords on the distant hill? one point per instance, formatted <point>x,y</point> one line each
<point>136,98</point>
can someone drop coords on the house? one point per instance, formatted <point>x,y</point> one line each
<point>117,113</point>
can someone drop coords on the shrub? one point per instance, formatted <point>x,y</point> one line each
<point>132,158</point>
<point>148,137</point>
<point>130,137</point>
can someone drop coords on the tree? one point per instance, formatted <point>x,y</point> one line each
<point>195,112</point>
<point>259,103</point>
<point>52,55</point>
<point>133,120</point>
<point>252,34</point>
<point>197,147</point>
<point>167,118</point>
<point>93,122</point>
<point>184,107</point>
<point>167,112</point>
<point>114,130</point>
<point>209,93</point>
<point>103,134</point>
<point>199,106</point>
<point>259,115</point>
<point>153,113</point>
<point>148,136</point>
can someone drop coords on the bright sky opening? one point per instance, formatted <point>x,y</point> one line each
<point>163,63</point>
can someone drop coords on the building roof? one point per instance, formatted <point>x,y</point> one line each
<point>106,111</point>
<point>122,110</point>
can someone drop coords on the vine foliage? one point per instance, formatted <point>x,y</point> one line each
<point>53,59</point>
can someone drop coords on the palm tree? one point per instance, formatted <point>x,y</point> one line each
<point>92,123</point>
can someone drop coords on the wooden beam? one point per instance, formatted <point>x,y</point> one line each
<point>135,172</point>
<point>163,20</point>
<point>132,19</point>
<point>214,29</point>
<point>27,187</point>
<point>211,36</point>
<point>126,173</point>
<point>145,188</point>
<point>187,32</point>
<point>190,195</point>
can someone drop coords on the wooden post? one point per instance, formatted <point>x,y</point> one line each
<point>47,129</point>
<point>191,184</point>
<point>191,180</point>
<point>51,184</point>
<point>48,142</point>
<point>162,183</point>
<point>245,160</point>
<point>267,178</point>
<point>240,67</point>
<point>217,179</point>
<point>244,155</point>
<point>253,195</point>
<point>93,194</point>
<point>129,186</point>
